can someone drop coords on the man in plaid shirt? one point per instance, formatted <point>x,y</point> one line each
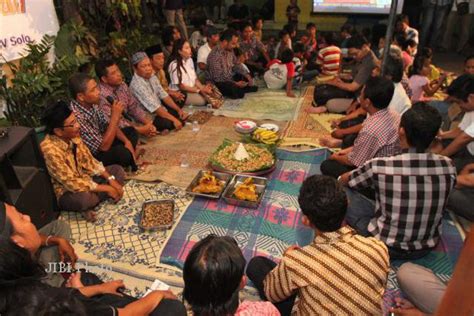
<point>379,134</point>
<point>411,189</point>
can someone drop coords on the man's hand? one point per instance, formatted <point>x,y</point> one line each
<point>117,186</point>
<point>291,248</point>
<point>66,251</point>
<point>130,148</point>
<point>112,287</point>
<point>117,109</point>
<point>241,84</point>
<point>206,89</point>
<point>113,193</point>
<point>338,133</point>
<point>182,115</point>
<point>177,124</point>
<point>177,95</point>
<point>335,123</point>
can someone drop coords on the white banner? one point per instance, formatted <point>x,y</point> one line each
<point>24,21</point>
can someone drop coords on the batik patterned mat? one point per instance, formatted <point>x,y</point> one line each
<point>308,128</point>
<point>117,244</point>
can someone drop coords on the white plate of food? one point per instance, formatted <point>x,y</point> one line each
<point>270,127</point>
<point>245,126</point>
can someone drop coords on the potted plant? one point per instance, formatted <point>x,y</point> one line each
<point>35,83</point>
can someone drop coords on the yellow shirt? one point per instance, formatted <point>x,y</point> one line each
<point>69,172</point>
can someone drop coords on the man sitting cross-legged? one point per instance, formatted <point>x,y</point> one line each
<point>146,88</point>
<point>378,136</point>
<point>54,247</point>
<point>21,273</point>
<point>220,64</point>
<point>112,85</point>
<point>411,189</point>
<point>80,181</point>
<point>349,126</point>
<point>340,272</point>
<point>458,143</point>
<point>106,141</point>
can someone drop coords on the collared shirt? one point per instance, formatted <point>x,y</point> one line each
<point>93,123</point>
<point>411,190</point>
<point>187,73</point>
<point>203,53</point>
<point>253,47</point>
<point>467,126</point>
<point>149,92</point>
<point>377,138</point>
<point>161,74</point>
<point>220,63</point>
<point>130,104</point>
<point>340,273</point>
<point>70,172</point>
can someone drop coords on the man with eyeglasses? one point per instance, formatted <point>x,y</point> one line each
<point>80,181</point>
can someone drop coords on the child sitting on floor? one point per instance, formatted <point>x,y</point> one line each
<point>240,69</point>
<point>281,72</point>
<point>420,85</point>
<point>339,273</point>
<point>213,276</point>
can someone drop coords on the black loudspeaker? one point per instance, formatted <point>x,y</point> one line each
<point>24,179</point>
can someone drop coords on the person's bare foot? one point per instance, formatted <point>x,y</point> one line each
<point>330,142</point>
<point>90,216</point>
<point>164,132</point>
<point>316,110</point>
<point>74,280</point>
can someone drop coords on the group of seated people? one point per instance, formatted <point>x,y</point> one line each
<point>381,197</point>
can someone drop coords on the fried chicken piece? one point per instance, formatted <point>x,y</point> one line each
<point>208,184</point>
<point>246,191</point>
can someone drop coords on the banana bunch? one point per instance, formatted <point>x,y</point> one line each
<point>265,136</point>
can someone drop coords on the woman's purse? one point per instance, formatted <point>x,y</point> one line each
<point>215,98</point>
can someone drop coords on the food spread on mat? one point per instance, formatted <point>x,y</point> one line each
<point>208,184</point>
<point>265,136</point>
<point>246,191</point>
<point>157,214</point>
<point>249,158</point>
<point>200,116</point>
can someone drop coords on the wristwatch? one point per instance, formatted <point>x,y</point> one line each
<point>110,178</point>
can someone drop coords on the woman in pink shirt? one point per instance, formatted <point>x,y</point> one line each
<point>213,276</point>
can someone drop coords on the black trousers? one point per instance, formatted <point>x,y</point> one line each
<point>167,307</point>
<point>230,90</point>
<point>162,124</point>
<point>348,140</point>
<point>118,154</point>
<point>334,168</point>
<point>257,270</point>
<point>462,158</point>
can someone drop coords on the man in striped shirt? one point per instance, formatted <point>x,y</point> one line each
<point>339,273</point>
<point>411,189</point>
<point>329,57</point>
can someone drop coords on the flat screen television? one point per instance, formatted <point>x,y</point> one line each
<point>355,6</point>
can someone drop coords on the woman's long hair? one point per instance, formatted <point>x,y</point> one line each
<point>175,56</point>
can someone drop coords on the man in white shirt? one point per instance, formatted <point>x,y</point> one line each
<point>458,143</point>
<point>212,35</point>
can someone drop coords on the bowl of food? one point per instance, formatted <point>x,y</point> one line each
<point>245,126</point>
<point>245,191</point>
<point>157,215</point>
<point>209,184</point>
<point>234,157</point>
